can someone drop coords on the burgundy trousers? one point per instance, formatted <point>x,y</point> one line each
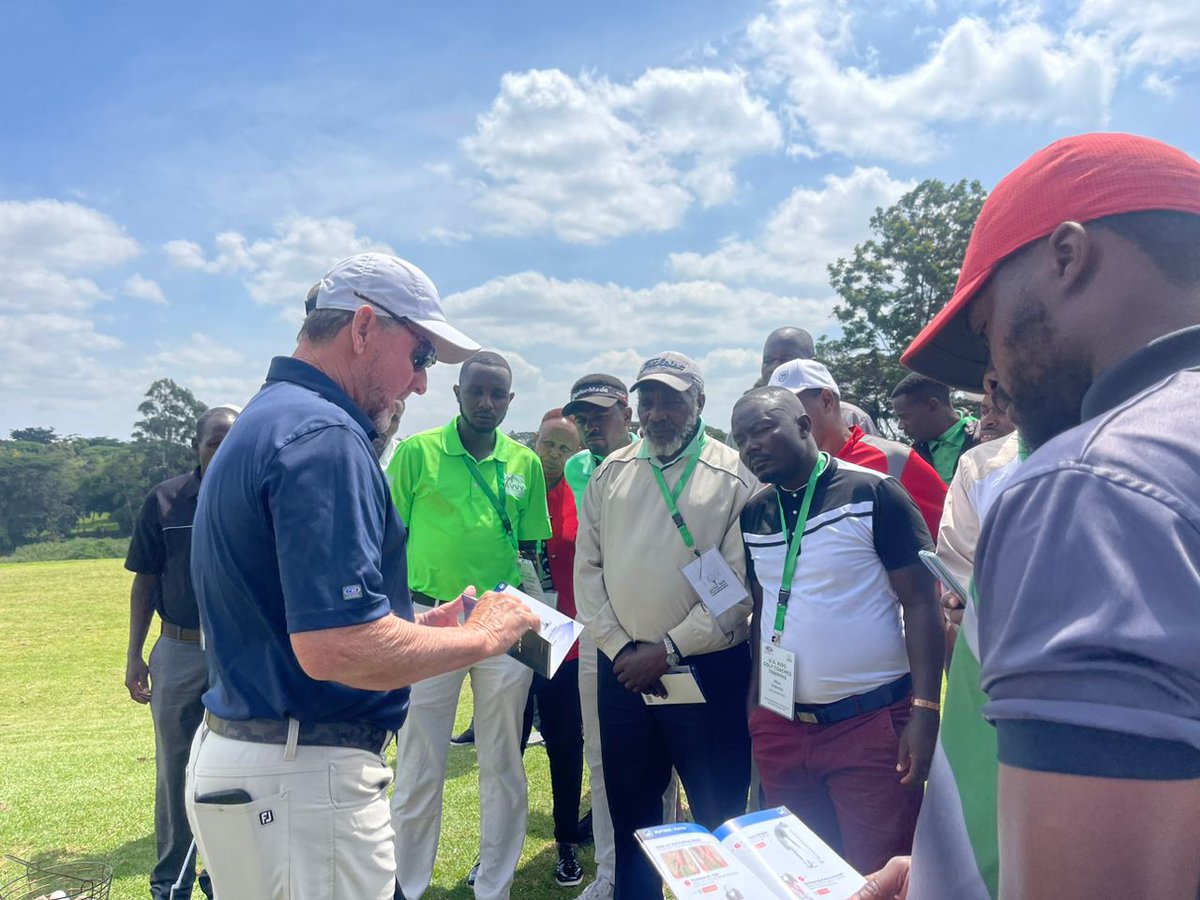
<point>841,780</point>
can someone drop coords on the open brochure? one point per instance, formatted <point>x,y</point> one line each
<point>761,854</point>
<point>543,651</point>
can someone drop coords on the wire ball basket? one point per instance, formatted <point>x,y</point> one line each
<point>82,880</point>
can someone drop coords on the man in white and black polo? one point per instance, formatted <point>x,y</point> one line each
<point>847,635</point>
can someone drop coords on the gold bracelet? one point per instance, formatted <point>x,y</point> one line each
<point>926,704</point>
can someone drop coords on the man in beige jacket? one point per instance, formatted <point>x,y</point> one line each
<point>668,503</point>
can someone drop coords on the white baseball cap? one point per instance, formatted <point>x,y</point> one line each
<point>398,288</point>
<point>804,375</point>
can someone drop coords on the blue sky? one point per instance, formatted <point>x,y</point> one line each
<point>586,183</point>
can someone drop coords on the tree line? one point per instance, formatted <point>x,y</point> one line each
<point>51,485</point>
<point>888,288</point>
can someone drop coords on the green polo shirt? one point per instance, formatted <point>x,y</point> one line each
<point>579,468</point>
<point>455,534</point>
<point>947,447</point>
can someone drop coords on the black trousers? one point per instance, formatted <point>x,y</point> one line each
<point>707,743</point>
<point>561,723</point>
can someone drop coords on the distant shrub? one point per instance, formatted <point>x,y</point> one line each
<point>73,548</point>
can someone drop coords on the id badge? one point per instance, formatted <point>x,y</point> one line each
<point>714,582</point>
<point>777,680</point>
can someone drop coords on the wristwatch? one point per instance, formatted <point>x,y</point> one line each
<point>673,656</point>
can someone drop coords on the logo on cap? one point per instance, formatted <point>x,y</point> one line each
<point>661,362</point>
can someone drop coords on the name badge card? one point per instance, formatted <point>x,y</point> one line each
<point>777,680</point>
<point>714,582</point>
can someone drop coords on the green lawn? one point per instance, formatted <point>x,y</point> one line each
<point>77,755</point>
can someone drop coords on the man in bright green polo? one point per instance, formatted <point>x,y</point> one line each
<point>469,496</point>
<point>599,406</point>
<point>940,433</point>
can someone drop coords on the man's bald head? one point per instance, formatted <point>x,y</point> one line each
<point>783,345</point>
<point>774,435</point>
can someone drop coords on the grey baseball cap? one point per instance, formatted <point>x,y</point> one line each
<point>398,288</point>
<point>672,369</point>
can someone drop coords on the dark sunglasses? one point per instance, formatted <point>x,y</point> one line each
<point>424,354</point>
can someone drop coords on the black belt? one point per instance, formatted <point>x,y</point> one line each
<point>426,600</point>
<point>859,704</point>
<point>178,633</point>
<point>359,735</point>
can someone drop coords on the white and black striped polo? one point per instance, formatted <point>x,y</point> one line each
<point>843,621</point>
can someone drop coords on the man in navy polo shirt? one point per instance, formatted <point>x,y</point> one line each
<point>298,561</point>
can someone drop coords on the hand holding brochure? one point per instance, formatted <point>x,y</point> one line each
<point>543,651</point>
<point>761,854</point>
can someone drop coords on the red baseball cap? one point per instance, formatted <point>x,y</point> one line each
<point>1077,179</point>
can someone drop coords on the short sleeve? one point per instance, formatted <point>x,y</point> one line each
<point>403,473</point>
<point>535,515</point>
<point>1089,625</point>
<point>900,531</point>
<point>147,551</point>
<point>329,505</point>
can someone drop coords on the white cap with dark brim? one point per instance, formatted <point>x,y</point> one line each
<point>804,375</point>
<point>398,288</point>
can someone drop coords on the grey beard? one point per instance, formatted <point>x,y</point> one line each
<point>672,447</point>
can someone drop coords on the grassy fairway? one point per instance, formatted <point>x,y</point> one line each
<point>77,755</point>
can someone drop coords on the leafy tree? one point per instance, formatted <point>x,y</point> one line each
<point>35,435</point>
<point>37,497</point>
<point>166,430</point>
<point>115,480</point>
<point>893,284</point>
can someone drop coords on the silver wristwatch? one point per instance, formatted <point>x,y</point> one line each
<point>673,656</point>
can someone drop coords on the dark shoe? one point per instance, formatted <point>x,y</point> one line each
<point>585,830</point>
<point>466,739</point>
<point>567,872</point>
<point>473,874</point>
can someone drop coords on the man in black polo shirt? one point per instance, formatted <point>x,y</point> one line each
<point>160,554</point>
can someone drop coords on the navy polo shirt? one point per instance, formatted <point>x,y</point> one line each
<point>295,531</point>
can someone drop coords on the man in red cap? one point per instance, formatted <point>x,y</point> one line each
<point>1081,283</point>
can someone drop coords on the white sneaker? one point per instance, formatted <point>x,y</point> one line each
<point>600,889</point>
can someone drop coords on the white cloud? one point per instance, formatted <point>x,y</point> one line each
<point>1151,33</point>
<point>143,288</point>
<point>51,350</point>
<point>31,287</point>
<point>806,232</point>
<point>58,235</point>
<point>200,353</point>
<point>185,254</point>
<point>278,271</point>
<point>568,318</point>
<point>591,160</point>
<point>1017,70</point>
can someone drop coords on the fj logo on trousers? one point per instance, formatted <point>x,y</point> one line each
<point>266,817</point>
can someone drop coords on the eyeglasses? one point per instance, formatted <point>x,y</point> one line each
<point>424,354</point>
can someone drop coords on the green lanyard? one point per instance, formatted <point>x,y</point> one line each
<point>793,544</point>
<point>671,496</point>
<point>497,503</point>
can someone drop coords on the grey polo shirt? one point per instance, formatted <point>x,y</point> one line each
<point>1089,580</point>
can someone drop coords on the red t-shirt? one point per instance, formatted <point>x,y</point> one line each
<point>904,464</point>
<point>560,549</point>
